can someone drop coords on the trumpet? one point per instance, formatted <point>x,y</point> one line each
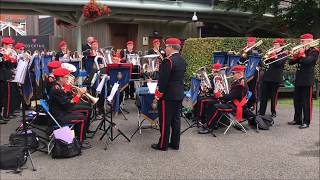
<point>244,52</point>
<point>86,97</point>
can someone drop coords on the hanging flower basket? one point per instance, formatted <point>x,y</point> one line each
<point>60,22</point>
<point>93,10</point>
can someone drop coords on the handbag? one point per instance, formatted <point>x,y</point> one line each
<point>62,149</point>
<point>12,157</point>
<point>21,139</point>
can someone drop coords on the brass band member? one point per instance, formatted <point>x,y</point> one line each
<point>64,53</point>
<point>156,49</point>
<point>231,102</point>
<point>51,79</point>
<point>95,48</point>
<point>305,59</point>
<point>208,96</point>
<point>251,81</point>
<point>8,62</point>
<point>170,95</point>
<point>124,59</point>
<point>87,47</point>
<point>272,78</point>
<point>60,103</point>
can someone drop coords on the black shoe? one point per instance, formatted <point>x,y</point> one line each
<point>85,145</point>
<point>156,147</point>
<point>173,147</point>
<point>303,126</point>
<point>90,131</point>
<point>293,123</point>
<point>273,115</point>
<point>3,121</point>
<point>204,131</point>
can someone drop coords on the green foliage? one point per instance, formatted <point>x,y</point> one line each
<point>198,51</point>
<point>292,17</point>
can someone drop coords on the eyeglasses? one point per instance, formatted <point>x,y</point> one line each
<point>21,49</point>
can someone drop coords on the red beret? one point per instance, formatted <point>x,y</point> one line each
<point>238,68</point>
<point>278,40</point>
<point>19,45</point>
<point>216,66</point>
<point>54,64</point>
<point>94,41</point>
<point>59,72</point>
<point>156,41</point>
<point>251,39</point>
<point>129,42</point>
<point>7,40</point>
<point>62,43</point>
<point>173,41</point>
<point>306,36</point>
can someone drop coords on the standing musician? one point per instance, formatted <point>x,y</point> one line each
<point>95,48</point>
<point>170,94</point>
<point>156,49</point>
<point>231,102</point>
<point>208,96</point>
<point>305,58</point>
<point>8,63</point>
<point>61,102</point>
<point>124,59</point>
<point>64,53</point>
<point>272,78</point>
<point>251,81</point>
<point>20,47</point>
<point>87,47</point>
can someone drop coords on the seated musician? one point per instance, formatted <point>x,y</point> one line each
<point>124,59</point>
<point>231,102</point>
<point>64,53</point>
<point>60,103</point>
<point>51,79</point>
<point>208,95</point>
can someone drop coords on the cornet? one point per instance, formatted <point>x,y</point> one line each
<point>86,97</point>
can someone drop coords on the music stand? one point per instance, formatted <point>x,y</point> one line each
<point>114,71</point>
<point>232,60</point>
<point>219,57</point>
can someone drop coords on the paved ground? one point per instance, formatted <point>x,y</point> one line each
<point>284,152</point>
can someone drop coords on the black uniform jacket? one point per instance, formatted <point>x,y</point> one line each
<point>171,77</point>
<point>274,72</point>
<point>238,90</point>
<point>60,101</point>
<point>305,67</point>
<point>162,52</point>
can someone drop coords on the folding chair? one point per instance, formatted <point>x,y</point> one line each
<point>145,110</point>
<point>233,121</point>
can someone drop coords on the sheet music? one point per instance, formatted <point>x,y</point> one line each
<point>113,91</point>
<point>21,71</point>
<point>152,87</point>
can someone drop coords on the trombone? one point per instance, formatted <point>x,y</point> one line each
<point>244,51</point>
<point>296,49</point>
<point>271,51</point>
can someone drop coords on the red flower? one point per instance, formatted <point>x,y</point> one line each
<point>92,10</point>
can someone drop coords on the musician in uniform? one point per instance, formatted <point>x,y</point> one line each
<point>8,65</point>
<point>208,96</point>
<point>230,102</point>
<point>252,81</point>
<point>60,103</point>
<point>20,47</point>
<point>51,79</point>
<point>156,49</point>
<point>272,78</point>
<point>87,47</point>
<point>64,52</point>
<point>170,94</point>
<point>124,59</point>
<point>305,59</point>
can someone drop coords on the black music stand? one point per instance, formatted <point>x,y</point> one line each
<point>119,73</point>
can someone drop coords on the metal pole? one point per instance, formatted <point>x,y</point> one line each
<point>78,41</point>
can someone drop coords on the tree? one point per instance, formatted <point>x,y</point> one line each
<point>292,17</point>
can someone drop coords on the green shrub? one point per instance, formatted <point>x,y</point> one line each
<point>198,51</point>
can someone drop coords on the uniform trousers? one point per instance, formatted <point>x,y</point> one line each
<point>269,90</point>
<point>302,100</point>
<point>169,119</point>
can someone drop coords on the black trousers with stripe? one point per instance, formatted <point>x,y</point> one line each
<point>302,100</point>
<point>269,90</point>
<point>169,119</point>
<point>217,111</point>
